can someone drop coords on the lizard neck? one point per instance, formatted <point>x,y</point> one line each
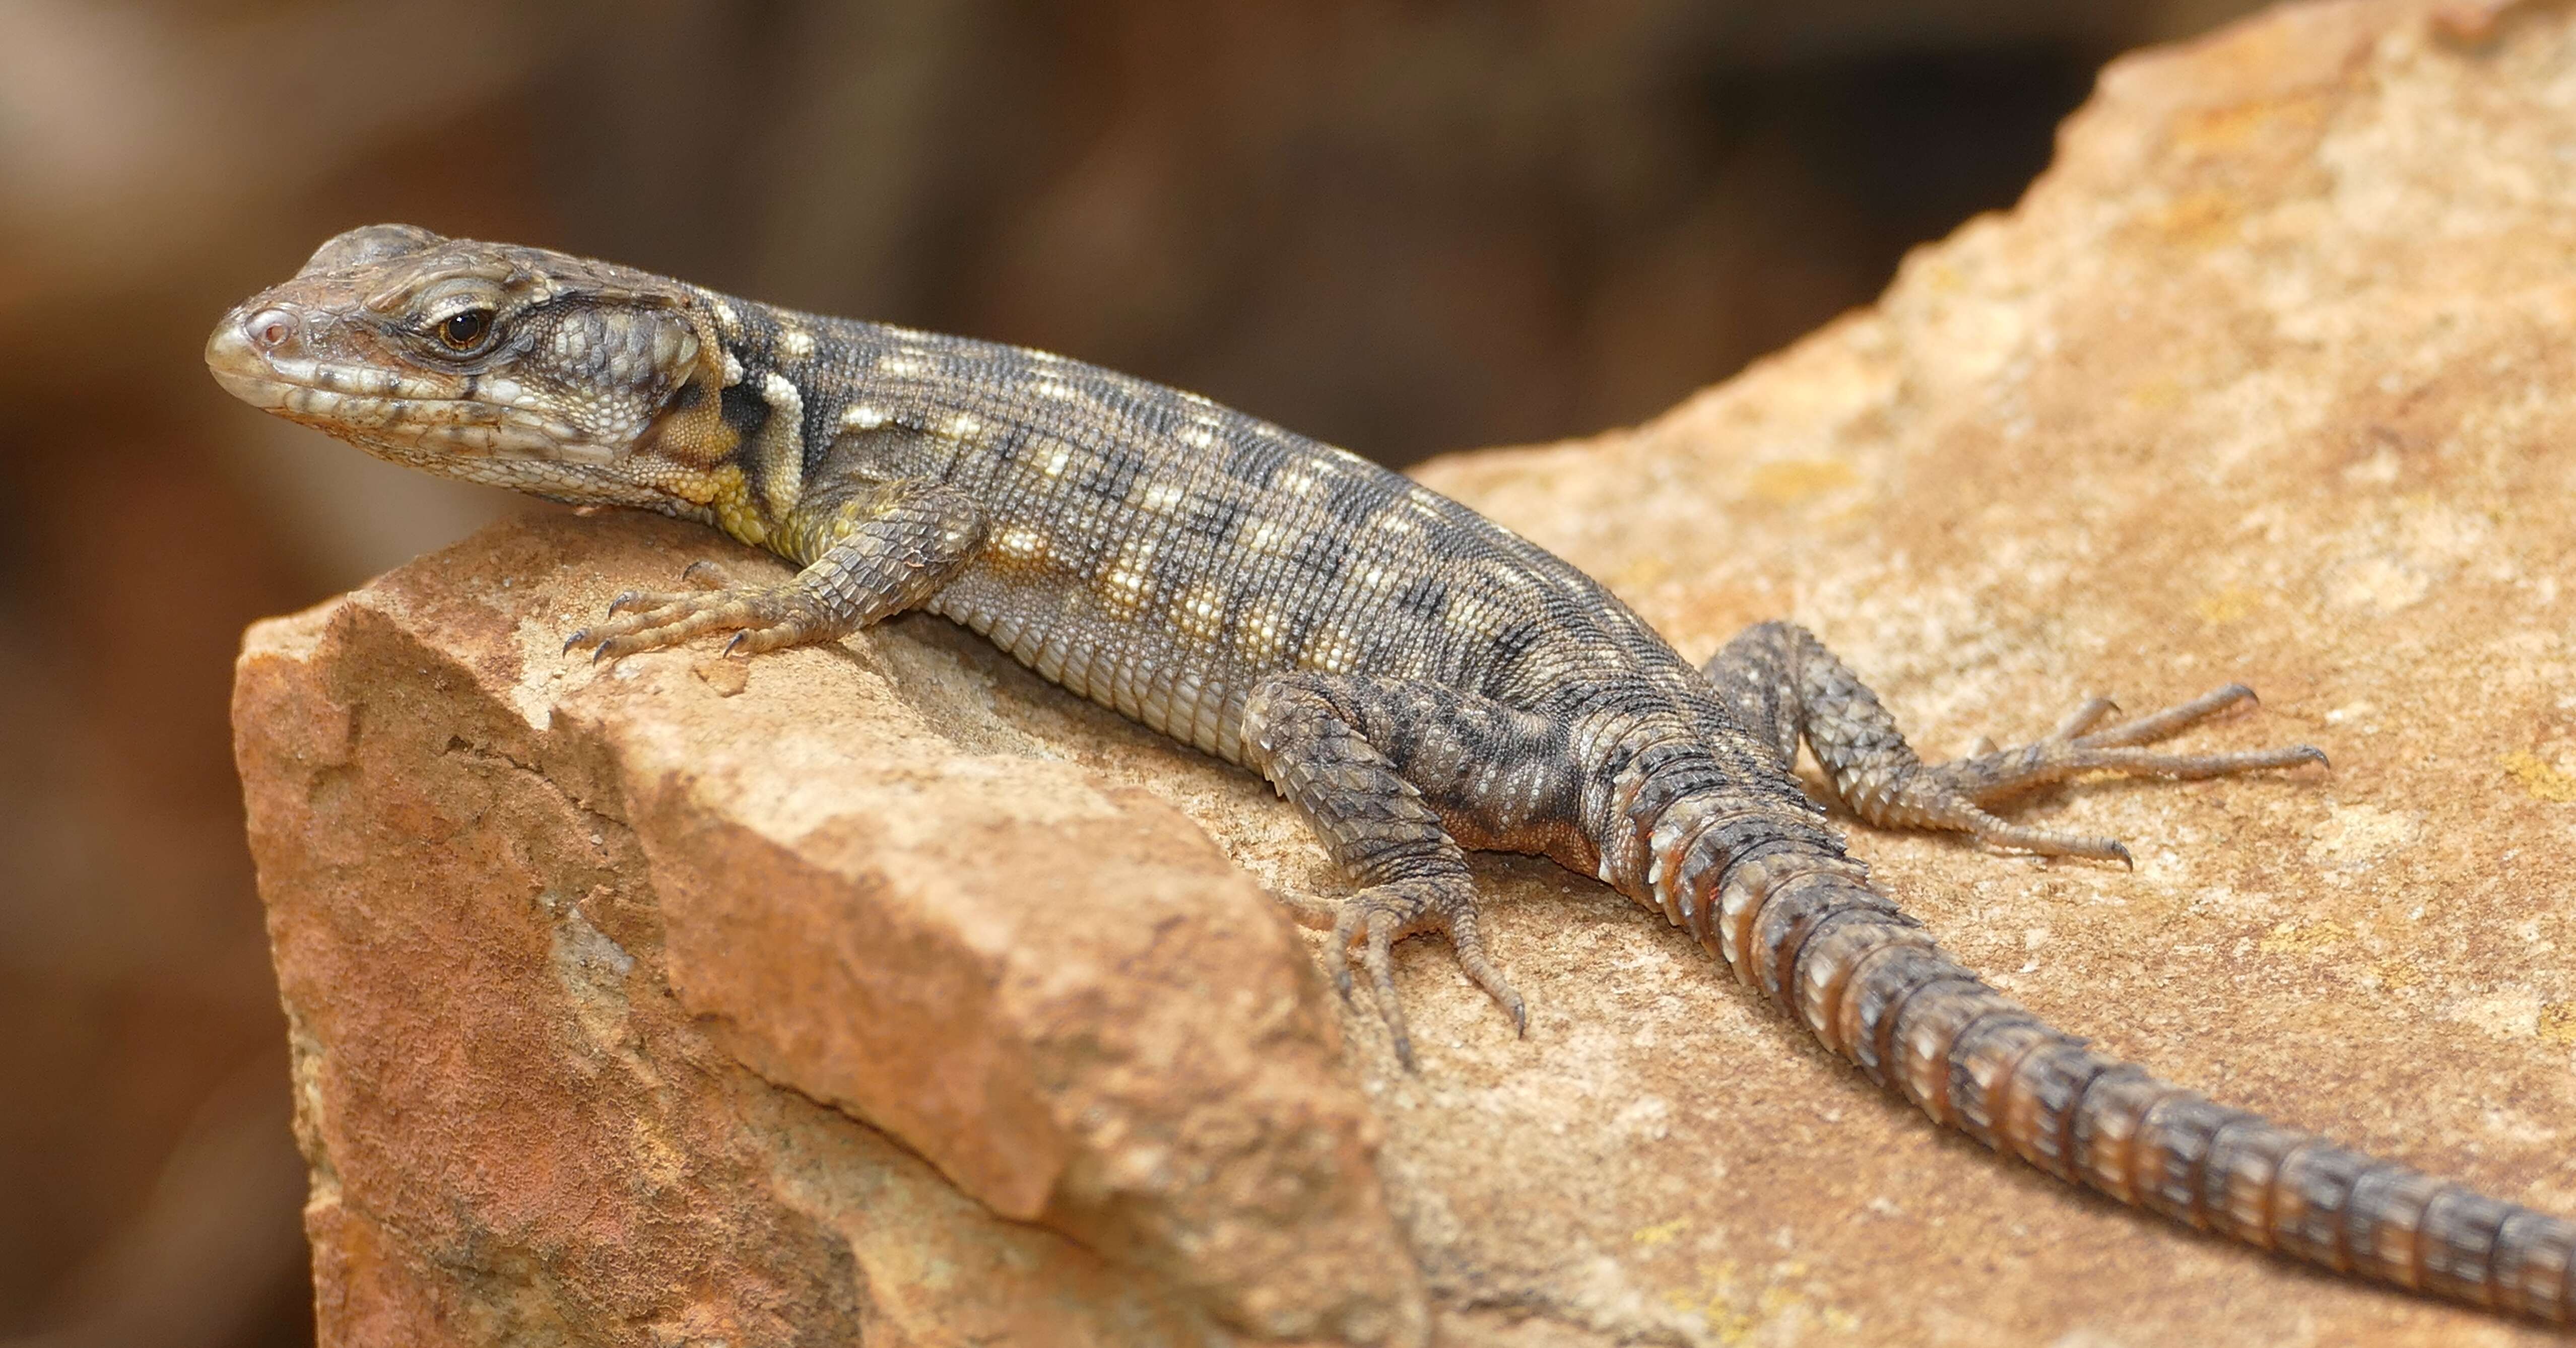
<point>808,400</point>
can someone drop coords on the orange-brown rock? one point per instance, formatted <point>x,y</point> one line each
<point>631,1010</point>
<point>886,989</point>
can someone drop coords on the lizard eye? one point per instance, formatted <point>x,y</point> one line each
<point>465,329</point>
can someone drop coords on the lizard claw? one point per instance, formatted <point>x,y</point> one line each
<point>1376,918</point>
<point>761,619</point>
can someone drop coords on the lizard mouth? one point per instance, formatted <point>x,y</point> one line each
<point>258,356</point>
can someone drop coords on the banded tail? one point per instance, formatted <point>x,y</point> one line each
<point>1800,922</point>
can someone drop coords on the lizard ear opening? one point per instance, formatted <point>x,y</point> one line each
<point>369,243</point>
<point>689,426</point>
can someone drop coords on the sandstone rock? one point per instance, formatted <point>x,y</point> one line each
<point>594,973</point>
<point>886,989</point>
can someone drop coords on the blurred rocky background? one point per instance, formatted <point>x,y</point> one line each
<point>1404,227</point>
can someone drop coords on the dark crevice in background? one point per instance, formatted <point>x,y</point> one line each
<point>1917,143</point>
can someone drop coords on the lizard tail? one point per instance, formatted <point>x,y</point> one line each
<point>1804,926</point>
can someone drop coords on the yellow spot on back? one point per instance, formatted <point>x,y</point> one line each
<point>1196,437</point>
<point>1125,584</point>
<point>794,342</point>
<point>1271,536</point>
<point>1020,543</point>
<point>1127,581</point>
<point>1332,651</point>
<point>1260,632</point>
<point>1158,496</point>
<point>905,365</point>
<point>1200,614</point>
<point>1056,461</point>
<point>964,426</point>
<point>861,417</point>
<point>1056,389</point>
<point>1468,614</point>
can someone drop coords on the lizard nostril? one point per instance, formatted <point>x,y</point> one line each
<point>270,328</point>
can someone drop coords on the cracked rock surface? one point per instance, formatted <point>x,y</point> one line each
<point>885,991</point>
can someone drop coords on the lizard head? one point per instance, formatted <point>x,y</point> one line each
<point>556,375</point>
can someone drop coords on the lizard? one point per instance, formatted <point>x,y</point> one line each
<point>1415,679</point>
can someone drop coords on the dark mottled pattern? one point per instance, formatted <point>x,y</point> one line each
<point>1415,679</point>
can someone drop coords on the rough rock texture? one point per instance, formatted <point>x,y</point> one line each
<point>887,989</point>
<point>591,972</point>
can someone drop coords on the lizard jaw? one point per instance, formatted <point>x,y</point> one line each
<point>416,418</point>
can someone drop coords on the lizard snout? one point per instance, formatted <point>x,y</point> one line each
<point>244,345</point>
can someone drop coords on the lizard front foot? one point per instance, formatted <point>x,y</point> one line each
<point>1374,919</point>
<point>762,618</point>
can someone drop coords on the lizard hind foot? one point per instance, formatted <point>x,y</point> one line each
<point>1954,794</point>
<point>1374,919</point>
<point>761,618</point>
<point>1777,678</point>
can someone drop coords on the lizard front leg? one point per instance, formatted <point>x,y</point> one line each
<point>1785,685</point>
<point>1394,776</point>
<point>871,554</point>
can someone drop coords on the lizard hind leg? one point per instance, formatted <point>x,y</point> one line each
<point>1383,770</point>
<point>1788,686</point>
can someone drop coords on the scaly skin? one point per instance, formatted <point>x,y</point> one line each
<point>1416,680</point>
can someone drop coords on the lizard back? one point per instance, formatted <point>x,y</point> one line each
<point>1160,553</point>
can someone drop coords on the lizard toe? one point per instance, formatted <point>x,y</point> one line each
<point>762,619</point>
<point>705,574</point>
<point>1376,918</point>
